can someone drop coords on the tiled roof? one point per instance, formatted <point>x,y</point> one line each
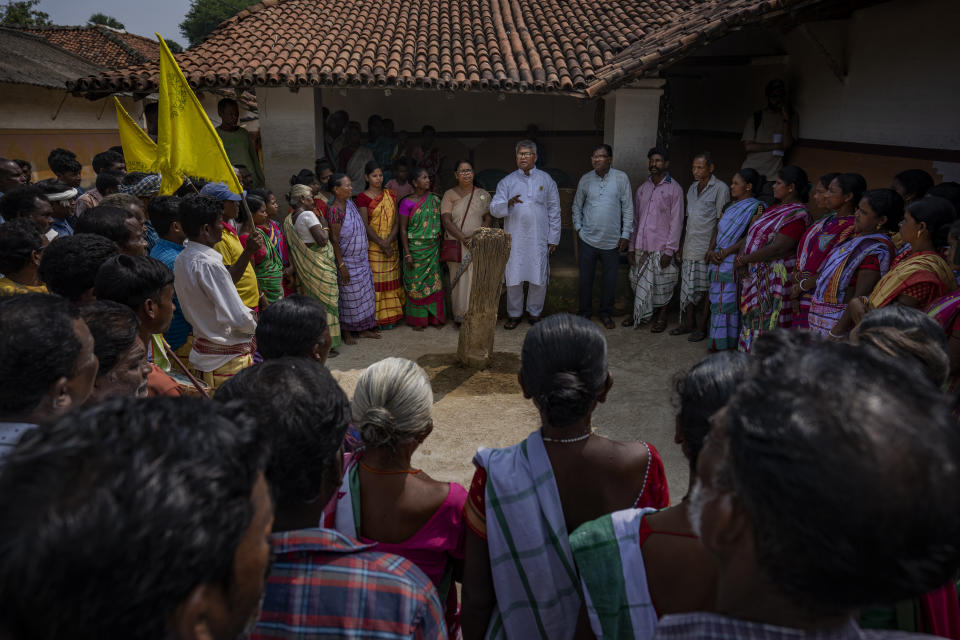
<point>100,45</point>
<point>575,47</point>
<point>27,59</point>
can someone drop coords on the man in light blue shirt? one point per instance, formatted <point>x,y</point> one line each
<point>603,218</point>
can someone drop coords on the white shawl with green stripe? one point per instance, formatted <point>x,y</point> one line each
<point>535,580</point>
<point>607,551</point>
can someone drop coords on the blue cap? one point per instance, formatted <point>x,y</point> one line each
<point>219,191</point>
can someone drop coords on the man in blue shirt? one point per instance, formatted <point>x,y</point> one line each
<point>603,219</point>
<point>11,177</point>
<point>165,217</point>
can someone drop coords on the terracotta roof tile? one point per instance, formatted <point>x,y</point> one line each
<point>100,45</point>
<point>580,47</point>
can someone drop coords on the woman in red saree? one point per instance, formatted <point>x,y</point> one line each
<point>840,199</point>
<point>768,256</point>
<point>918,276</point>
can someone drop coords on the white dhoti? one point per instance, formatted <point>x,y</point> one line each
<point>652,285</point>
<point>694,283</point>
<point>536,294</point>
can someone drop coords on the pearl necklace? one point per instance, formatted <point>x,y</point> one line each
<point>568,440</point>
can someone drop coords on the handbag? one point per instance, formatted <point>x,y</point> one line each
<point>451,249</point>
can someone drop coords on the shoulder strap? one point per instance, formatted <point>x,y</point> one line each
<point>467,210</point>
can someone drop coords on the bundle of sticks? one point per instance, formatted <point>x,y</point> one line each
<point>489,252</point>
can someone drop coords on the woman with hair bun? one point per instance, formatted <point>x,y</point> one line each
<point>728,238</point>
<point>769,255</point>
<point>519,578</point>
<point>919,276</point>
<point>383,500</point>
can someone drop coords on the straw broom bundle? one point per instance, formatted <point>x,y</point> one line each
<point>490,250</point>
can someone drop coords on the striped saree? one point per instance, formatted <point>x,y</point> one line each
<point>357,301</point>
<point>946,311</point>
<point>812,250</point>
<point>914,270</point>
<point>724,281</point>
<point>388,290</point>
<point>422,280</point>
<point>269,269</point>
<point>316,275</point>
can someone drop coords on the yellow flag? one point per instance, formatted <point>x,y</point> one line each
<point>188,145</point>
<point>139,151</point>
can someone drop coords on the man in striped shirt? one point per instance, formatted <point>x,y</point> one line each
<point>323,583</point>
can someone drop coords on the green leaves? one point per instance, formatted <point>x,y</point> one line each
<point>204,16</point>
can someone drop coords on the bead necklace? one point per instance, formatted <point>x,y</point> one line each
<point>568,440</point>
<point>389,473</point>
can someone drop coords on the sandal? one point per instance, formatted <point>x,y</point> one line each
<point>627,322</point>
<point>697,336</point>
<point>659,326</point>
<point>511,323</point>
<point>608,322</point>
<point>533,319</point>
<point>680,331</point>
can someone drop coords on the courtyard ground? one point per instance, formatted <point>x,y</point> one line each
<point>486,408</point>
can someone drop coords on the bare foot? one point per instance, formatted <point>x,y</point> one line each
<point>348,338</point>
<point>370,334</point>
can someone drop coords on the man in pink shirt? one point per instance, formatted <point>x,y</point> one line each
<point>657,227</point>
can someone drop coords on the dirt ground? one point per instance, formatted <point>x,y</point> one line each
<point>486,408</point>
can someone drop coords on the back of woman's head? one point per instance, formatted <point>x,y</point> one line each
<point>564,367</point>
<point>304,176</point>
<point>852,183</point>
<point>915,344</point>
<point>753,178</point>
<point>704,390</point>
<point>938,214</point>
<point>886,203</point>
<point>915,183</point>
<point>792,174</point>
<point>948,190</point>
<point>392,403</point>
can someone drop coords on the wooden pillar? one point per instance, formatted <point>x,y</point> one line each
<point>489,251</point>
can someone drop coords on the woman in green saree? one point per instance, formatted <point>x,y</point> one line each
<point>421,230</point>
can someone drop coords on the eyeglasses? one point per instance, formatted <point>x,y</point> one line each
<point>464,171</point>
<point>525,154</point>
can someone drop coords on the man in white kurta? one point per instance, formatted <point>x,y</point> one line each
<point>529,203</point>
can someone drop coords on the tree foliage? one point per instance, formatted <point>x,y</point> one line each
<point>105,20</point>
<point>174,45</point>
<point>22,13</point>
<point>206,15</point>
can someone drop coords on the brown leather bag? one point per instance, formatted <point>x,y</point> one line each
<point>451,249</point>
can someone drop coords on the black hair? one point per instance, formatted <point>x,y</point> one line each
<point>706,155</point>
<point>305,176</point>
<point>38,346</point>
<point>61,160</point>
<point>291,326</point>
<point>119,485</point>
<point>320,165</point>
<point>20,201</point>
<point>108,180</point>
<point>18,240</point>
<point>915,182</point>
<point>373,118</point>
<point>657,151</point>
<point>105,159</point>
<point>753,178</point>
<point>818,422</point>
<point>415,172</point>
<point>427,128</point>
<point>852,183</point>
<point>926,346</point>
<point>255,203</point>
<point>132,178</point>
<point>938,214</point>
<point>197,210</point>
<point>263,193</point>
<point>334,181</point>
<point>901,318</point>
<point>226,101</point>
<point>604,147</point>
<point>886,202</point>
<point>109,222</point>
<point>25,166</point>
<point>131,280</point>
<point>163,211</point>
<point>701,392</point>
<point>563,364</point>
<point>52,185</point>
<point>369,168</point>
<point>948,190</point>
<point>302,413</point>
<point>400,162</point>
<point>190,186</point>
<point>114,327</point>
<point>792,174</point>
<point>70,263</point>
<point>827,178</point>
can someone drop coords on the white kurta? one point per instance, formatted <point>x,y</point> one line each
<point>532,224</point>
